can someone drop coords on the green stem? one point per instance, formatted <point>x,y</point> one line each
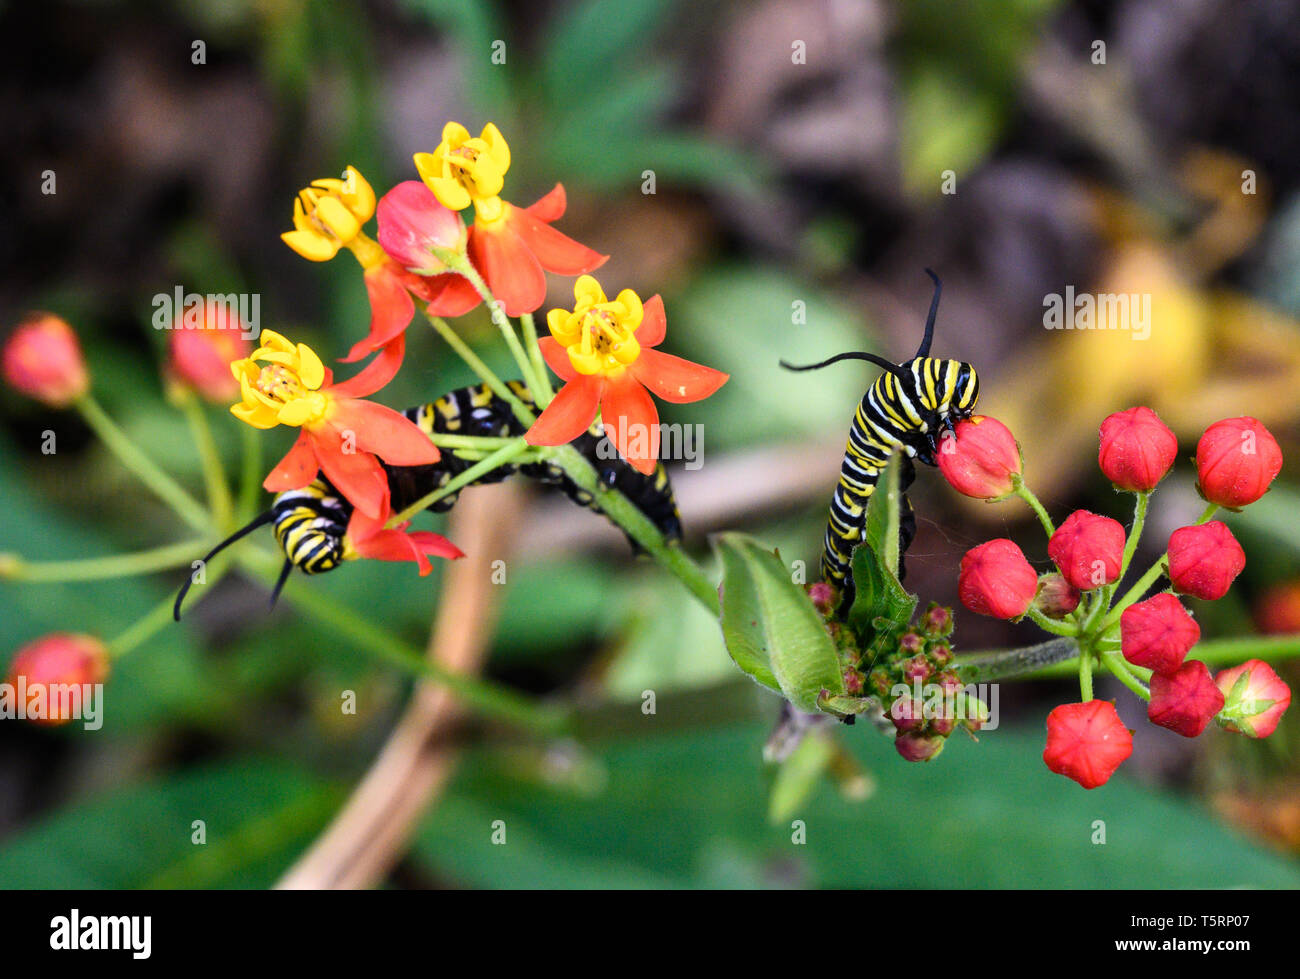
<point>638,526</point>
<point>510,450</point>
<point>1212,652</point>
<point>1085,673</point>
<point>466,268</point>
<point>1135,532</point>
<point>471,442</point>
<point>1133,594</point>
<point>487,697</point>
<point>166,488</point>
<point>1026,494</point>
<point>485,373</point>
<point>1052,625</point>
<point>250,477</point>
<point>1209,511</point>
<point>544,392</point>
<point>14,568</point>
<point>214,473</point>
<point>1004,664</point>
<point>1115,663</point>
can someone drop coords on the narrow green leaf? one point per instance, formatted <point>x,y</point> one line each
<point>742,628</point>
<point>798,776</point>
<point>884,511</point>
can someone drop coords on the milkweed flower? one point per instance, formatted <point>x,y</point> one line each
<point>199,356</point>
<point>996,580</point>
<point>1236,460</point>
<point>1086,742</point>
<point>1157,633</point>
<point>328,215</point>
<point>53,664</point>
<point>1137,449</point>
<point>369,538</point>
<point>1088,548</point>
<point>42,359</point>
<point>980,458</point>
<point>283,383</point>
<point>1204,560</point>
<point>1255,698</point>
<point>602,350</point>
<point>1185,700</point>
<point>512,247</point>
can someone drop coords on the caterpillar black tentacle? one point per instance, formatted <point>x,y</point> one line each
<point>906,409</point>
<point>310,524</point>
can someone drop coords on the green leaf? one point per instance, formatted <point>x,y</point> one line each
<point>875,562</point>
<point>771,628</point>
<point>884,512</point>
<point>257,816</point>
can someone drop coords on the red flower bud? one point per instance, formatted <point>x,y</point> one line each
<point>915,746</point>
<point>907,713</point>
<point>200,351</point>
<point>1088,549</point>
<point>1157,633</point>
<point>59,659</point>
<point>1086,742</point>
<point>1236,459</point>
<point>937,620</point>
<point>1184,701</point>
<point>1056,597</point>
<point>981,458</point>
<point>42,359</point>
<point>824,597</point>
<point>1204,559</point>
<point>996,580</point>
<point>1137,449</point>
<point>1255,698</point>
<point>412,223</point>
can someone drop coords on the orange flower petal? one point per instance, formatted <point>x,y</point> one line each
<point>387,433</point>
<point>296,469</point>
<point>391,309</point>
<point>375,374</point>
<point>448,294</point>
<point>675,379</point>
<point>654,322</point>
<point>511,269</point>
<point>557,358</point>
<point>357,475</point>
<point>631,421</point>
<point>556,251</point>
<point>397,545</point>
<point>570,413</point>
<point>551,207</point>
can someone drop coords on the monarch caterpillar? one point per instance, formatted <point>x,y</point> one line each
<point>907,408</point>
<point>310,523</point>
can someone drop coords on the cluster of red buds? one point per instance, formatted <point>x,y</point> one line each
<point>910,671</point>
<point>1236,461</point>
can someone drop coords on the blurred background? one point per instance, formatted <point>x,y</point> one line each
<point>809,158</point>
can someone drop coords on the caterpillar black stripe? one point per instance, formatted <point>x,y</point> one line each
<point>310,524</point>
<point>907,408</point>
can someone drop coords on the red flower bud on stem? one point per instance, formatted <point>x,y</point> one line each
<point>981,458</point>
<point>1236,460</point>
<point>60,659</point>
<point>1204,559</point>
<point>1086,742</point>
<point>1255,698</point>
<point>1088,549</point>
<point>1056,598</point>
<point>1137,449</point>
<point>1184,701</point>
<point>1158,633</point>
<point>42,359</point>
<point>200,353</point>
<point>996,580</point>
